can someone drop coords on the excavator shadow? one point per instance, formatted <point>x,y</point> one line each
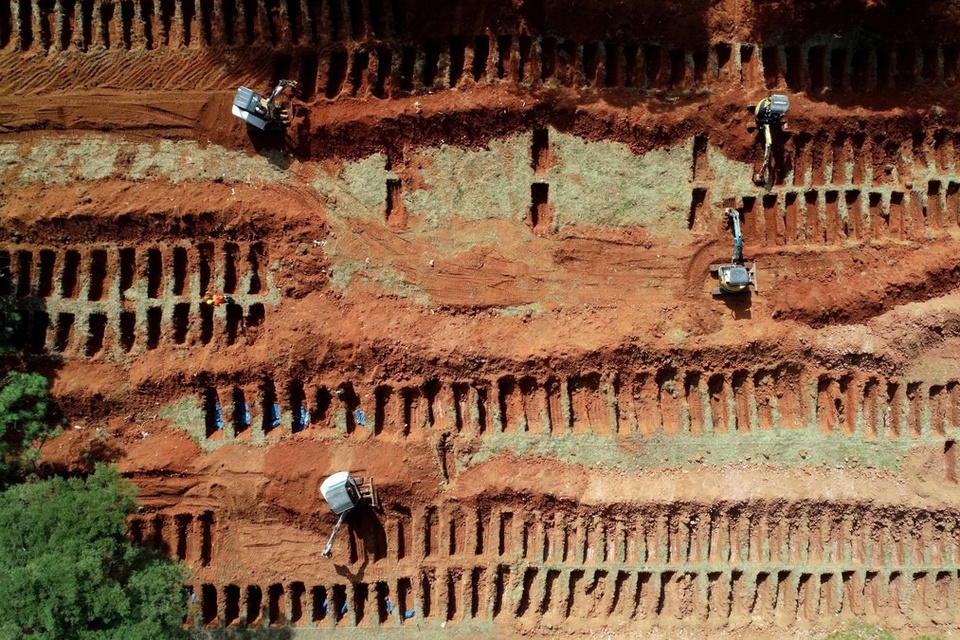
<point>739,304</point>
<point>277,148</point>
<point>366,542</point>
<point>277,130</point>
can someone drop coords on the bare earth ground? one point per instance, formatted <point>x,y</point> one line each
<point>476,269</point>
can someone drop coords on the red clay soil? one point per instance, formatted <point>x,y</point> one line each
<point>571,434</point>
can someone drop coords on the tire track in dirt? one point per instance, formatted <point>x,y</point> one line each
<point>388,68</point>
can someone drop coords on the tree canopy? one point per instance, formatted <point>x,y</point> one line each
<point>23,420</point>
<point>67,571</point>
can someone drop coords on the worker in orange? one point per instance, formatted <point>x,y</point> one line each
<point>218,299</point>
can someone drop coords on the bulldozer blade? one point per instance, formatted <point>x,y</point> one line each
<point>753,278</point>
<point>717,291</point>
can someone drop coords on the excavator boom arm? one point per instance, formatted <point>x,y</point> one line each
<point>737,236</point>
<point>327,550</point>
<point>283,84</point>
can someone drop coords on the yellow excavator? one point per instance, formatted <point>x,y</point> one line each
<point>769,115</point>
<point>735,276</point>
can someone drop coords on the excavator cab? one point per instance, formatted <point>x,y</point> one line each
<point>735,278</point>
<point>770,111</point>
<point>266,114</point>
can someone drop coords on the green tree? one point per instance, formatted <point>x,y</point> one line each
<point>9,323</point>
<point>67,570</point>
<point>24,420</point>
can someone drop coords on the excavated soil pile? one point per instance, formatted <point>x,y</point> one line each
<point>476,268</point>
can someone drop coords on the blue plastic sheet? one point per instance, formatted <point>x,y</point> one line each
<point>218,415</point>
<point>360,417</point>
<point>304,418</point>
<point>242,414</point>
<point>409,614</point>
<point>275,416</point>
<point>388,605</point>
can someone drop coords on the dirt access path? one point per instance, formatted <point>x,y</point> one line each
<point>475,268</point>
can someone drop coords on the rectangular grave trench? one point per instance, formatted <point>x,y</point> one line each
<point>408,64</point>
<point>128,322</point>
<point>319,606</point>
<point>180,276</point>
<point>481,50</point>
<point>181,322</point>
<point>309,67</point>
<point>541,215</point>
<point>254,604</point>
<point>231,607</point>
<point>6,23</point>
<point>950,461</point>
<point>24,274</point>
<point>297,593</point>
<point>384,64</point>
<point>38,331</point>
<point>358,71</point>
<point>98,275</point>
<point>97,329</point>
<point>206,323</point>
<point>154,317</point>
<point>395,213</point>
<point>154,273</point>
<point>46,272</point>
<point>241,413</point>
<point>234,313</point>
<point>65,322</point>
